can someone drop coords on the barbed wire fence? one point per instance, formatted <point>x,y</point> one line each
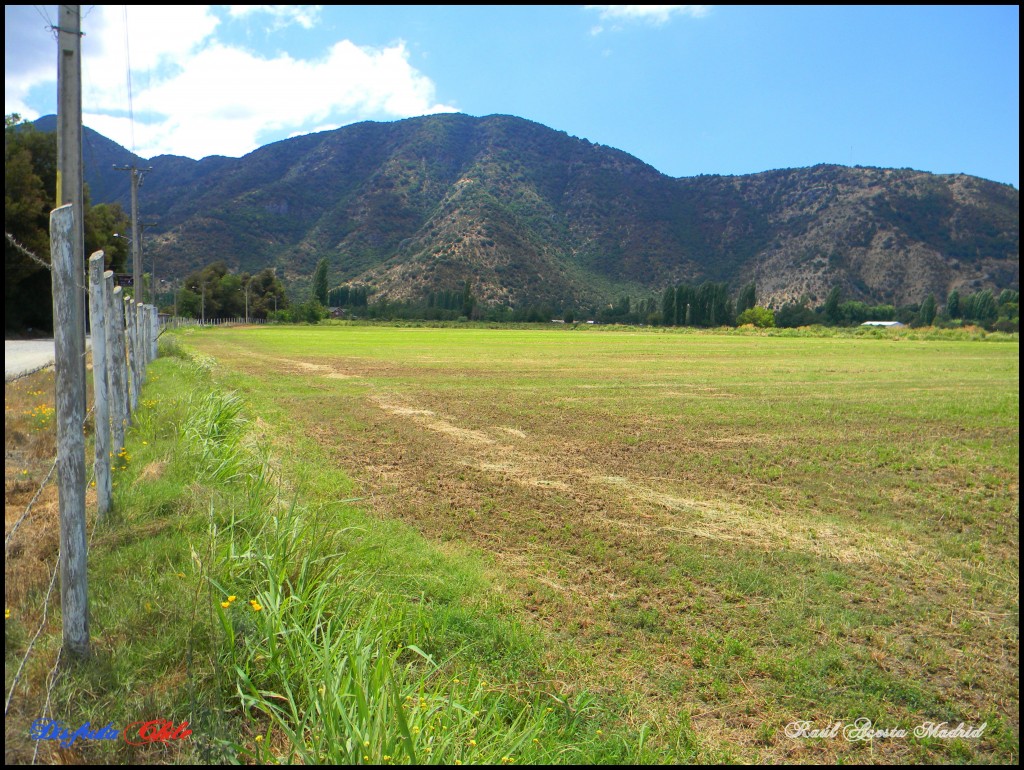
<point>124,342</point>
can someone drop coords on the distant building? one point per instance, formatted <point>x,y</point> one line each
<point>889,324</point>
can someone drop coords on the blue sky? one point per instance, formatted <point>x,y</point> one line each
<point>689,89</point>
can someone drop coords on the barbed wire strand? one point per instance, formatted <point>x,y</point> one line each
<point>42,624</point>
<point>34,257</point>
<point>9,535</point>
<point>52,681</point>
<point>14,242</point>
<point>52,677</point>
<point>7,538</point>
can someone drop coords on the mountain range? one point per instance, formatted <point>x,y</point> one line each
<point>528,214</point>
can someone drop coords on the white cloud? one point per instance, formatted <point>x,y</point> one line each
<point>225,100</point>
<point>30,55</point>
<point>304,15</point>
<point>653,14</point>
<point>156,40</point>
<point>195,95</point>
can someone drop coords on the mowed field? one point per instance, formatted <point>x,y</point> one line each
<point>722,532</point>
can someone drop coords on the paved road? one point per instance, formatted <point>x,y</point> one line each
<point>23,356</point>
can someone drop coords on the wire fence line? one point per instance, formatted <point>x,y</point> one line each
<point>31,255</point>
<point>132,329</point>
<point>51,679</point>
<point>51,682</point>
<point>52,676</point>
<point>39,491</point>
<point>42,624</point>
<point>9,535</point>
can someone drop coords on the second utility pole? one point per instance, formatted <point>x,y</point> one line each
<point>136,230</point>
<point>67,249</point>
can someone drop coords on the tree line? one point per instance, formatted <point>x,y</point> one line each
<point>710,304</point>
<point>215,292</point>
<point>706,305</point>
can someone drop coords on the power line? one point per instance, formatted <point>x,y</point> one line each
<point>46,17</point>
<point>128,69</point>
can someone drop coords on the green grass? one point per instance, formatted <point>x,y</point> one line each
<point>343,640</point>
<point>557,545</point>
<point>714,533</point>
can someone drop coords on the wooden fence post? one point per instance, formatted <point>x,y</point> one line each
<point>98,322</point>
<point>70,402</point>
<point>140,315</point>
<point>133,355</point>
<point>154,318</point>
<point>116,362</point>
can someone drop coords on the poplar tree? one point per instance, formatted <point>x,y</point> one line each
<point>668,307</point>
<point>320,283</point>
<point>832,305</point>
<point>747,298</point>
<point>928,310</point>
<point>953,304</point>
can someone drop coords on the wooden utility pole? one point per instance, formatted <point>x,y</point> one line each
<point>136,238</point>
<point>70,184</point>
<point>136,180</point>
<point>67,254</point>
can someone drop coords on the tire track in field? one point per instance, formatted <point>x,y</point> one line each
<point>654,513</point>
<point>657,512</point>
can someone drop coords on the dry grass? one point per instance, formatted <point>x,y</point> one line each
<point>31,555</point>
